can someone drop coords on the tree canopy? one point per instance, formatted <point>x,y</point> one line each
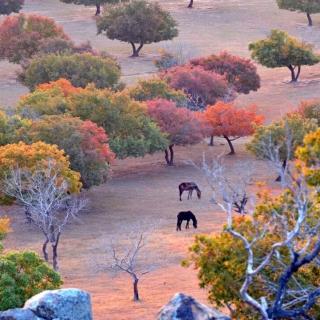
<point>84,142</point>
<point>21,36</point>
<point>80,69</point>
<point>306,6</point>
<point>202,87</point>
<point>181,125</point>
<point>231,123</point>
<point>240,73</point>
<point>282,50</point>
<point>137,22</point>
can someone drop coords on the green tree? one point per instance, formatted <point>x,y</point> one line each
<point>276,135</point>
<point>23,275</point>
<point>10,6</point>
<point>310,109</point>
<point>306,6</point>
<point>131,131</point>
<point>80,69</point>
<point>152,89</point>
<point>282,50</point>
<point>96,3</point>
<point>137,22</point>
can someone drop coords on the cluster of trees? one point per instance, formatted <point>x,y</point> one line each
<point>264,264</point>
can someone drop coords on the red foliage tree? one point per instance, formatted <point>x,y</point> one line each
<point>21,36</point>
<point>240,73</point>
<point>181,125</point>
<point>230,122</point>
<point>201,86</point>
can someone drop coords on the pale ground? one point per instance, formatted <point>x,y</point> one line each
<point>144,191</point>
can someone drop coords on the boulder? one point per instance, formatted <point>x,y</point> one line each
<point>183,307</point>
<point>18,314</point>
<point>63,304</point>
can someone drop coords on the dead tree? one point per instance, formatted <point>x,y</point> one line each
<point>127,262</point>
<point>44,195</point>
<point>299,238</point>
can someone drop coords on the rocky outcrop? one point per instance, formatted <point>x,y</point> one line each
<point>183,307</point>
<point>63,304</point>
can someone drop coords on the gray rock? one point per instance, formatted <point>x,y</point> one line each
<point>18,314</point>
<point>63,304</point>
<point>183,307</point>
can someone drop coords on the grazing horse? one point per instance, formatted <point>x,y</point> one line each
<point>189,186</point>
<point>186,215</point>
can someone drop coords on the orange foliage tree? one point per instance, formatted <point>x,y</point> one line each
<point>36,156</point>
<point>230,122</point>
<point>181,125</point>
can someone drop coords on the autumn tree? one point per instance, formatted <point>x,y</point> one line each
<point>4,229</point>
<point>34,156</point>
<point>230,122</point>
<point>202,87</point>
<point>96,3</point>
<point>138,23</point>
<point>21,36</point>
<point>155,88</point>
<point>274,137</point>
<point>306,6</point>
<point>47,99</point>
<point>9,6</point>
<point>282,50</point>
<point>84,142</point>
<point>80,69</point>
<point>180,124</point>
<point>240,73</point>
<point>310,109</point>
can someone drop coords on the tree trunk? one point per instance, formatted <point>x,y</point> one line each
<point>55,254</point>
<point>309,19</point>
<point>44,250</point>
<point>284,164</point>
<point>135,289</point>
<point>211,143</point>
<point>294,75</point>
<point>190,4</point>
<point>98,10</point>
<point>171,154</point>
<point>230,145</point>
<point>135,50</point>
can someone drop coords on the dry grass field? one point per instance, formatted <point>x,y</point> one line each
<point>144,191</point>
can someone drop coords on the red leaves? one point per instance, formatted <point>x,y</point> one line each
<point>240,73</point>
<point>181,124</point>
<point>21,36</point>
<point>227,120</point>
<point>95,142</point>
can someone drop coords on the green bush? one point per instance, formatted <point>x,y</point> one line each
<point>80,69</point>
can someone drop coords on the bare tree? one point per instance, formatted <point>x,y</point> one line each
<point>127,261</point>
<point>298,236</point>
<point>44,195</point>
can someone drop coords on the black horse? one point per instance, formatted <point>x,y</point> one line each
<point>189,186</point>
<point>186,215</point>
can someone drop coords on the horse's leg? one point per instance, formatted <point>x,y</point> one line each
<point>187,224</point>
<point>180,193</point>
<point>179,225</point>
<point>191,193</point>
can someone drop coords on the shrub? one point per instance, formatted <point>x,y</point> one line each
<point>80,69</point>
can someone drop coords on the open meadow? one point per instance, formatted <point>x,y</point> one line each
<point>144,191</point>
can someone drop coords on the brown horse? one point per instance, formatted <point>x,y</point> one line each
<point>186,215</point>
<point>189,186</point>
